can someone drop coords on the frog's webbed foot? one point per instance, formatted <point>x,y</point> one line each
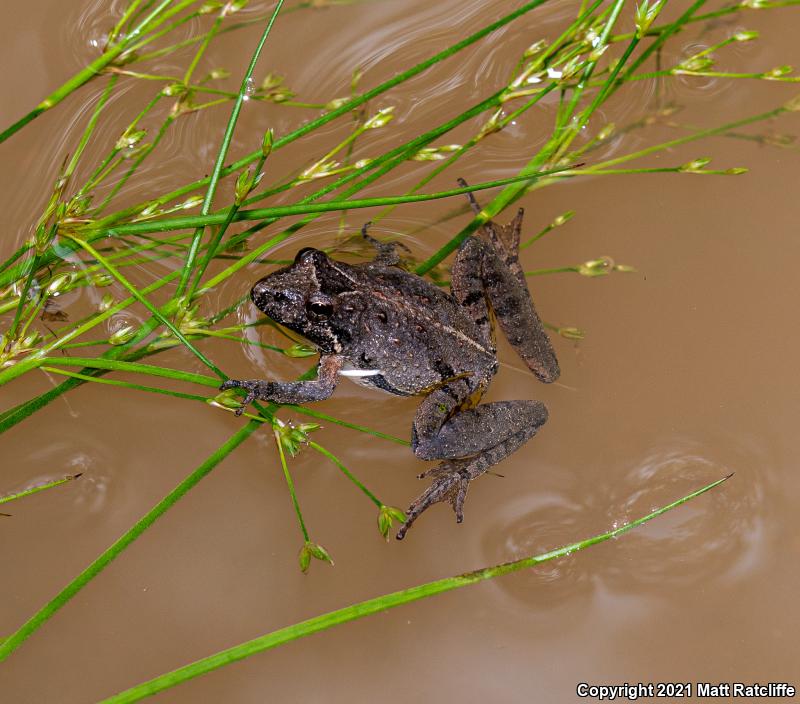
<point>255,389</point>
<point>450,483</point>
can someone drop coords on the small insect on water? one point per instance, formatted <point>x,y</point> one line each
<point>395,331</point>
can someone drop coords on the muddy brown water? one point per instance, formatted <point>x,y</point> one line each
<point>688,372</point>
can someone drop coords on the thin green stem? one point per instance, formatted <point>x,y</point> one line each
<point>182,223</point>
<point>10,644</point>
<point>313,413</point>
<point>36,489</point>
<point>116,365</point>
<point>365,97</point>
<point>158,314</point>
<point>223,152</point>
<point>85,75</point>
<point>374,606</point>
<point>90,126</point>
<point>290,484</point>
<point>137,162</point>
<point>207,39</point>
<point>347,473</point>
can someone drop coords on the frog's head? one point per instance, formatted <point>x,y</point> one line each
<point>304,297</point>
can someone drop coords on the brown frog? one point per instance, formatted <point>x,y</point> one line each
<point>395,331</point>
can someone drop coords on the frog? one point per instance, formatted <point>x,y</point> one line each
<point>390,329</point>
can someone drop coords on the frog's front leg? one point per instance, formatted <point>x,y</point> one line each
<point>386,251</point>
<point>291,391</point>
<point>470,441</point>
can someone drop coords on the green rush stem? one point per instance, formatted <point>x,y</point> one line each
<point>140,11</point>
<point>714,74</point>
<point>220,233</point>
<point>711,131</point>
<point>126,385</point>
<point>663,35</point>
<point>207,38</point>
<point>347,107</point>
<point>99,175</point>
<point>564,135</point>
<point>32,315</point>
<point>13,258</point>
<point>126,15</point>
<point>90,126</point>
<point>150,38</point>
<point>85,75</point>
<point>607,88</point>
<point>597,171</point>
<point>11,336</point>
<point>243,340</point>
<point>34,490</point>
<point>169,224</point>
<point>538,236</point>
<point>223,152</point>
<point>10,644</point>
<point>290,484</point>
<point>553,270</point>
<point>353,426</point>
<point>211,250</point>
<point>139,297</point>
<point>373,606</point>
<point>347,473</point>
<point>137,162</point>
<point>464,148</point>
<point>115,365</point>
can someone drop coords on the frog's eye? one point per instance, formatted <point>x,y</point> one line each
<point>319,308</point>
<point>303,252</point>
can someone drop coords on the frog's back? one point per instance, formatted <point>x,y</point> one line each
<point>409,331</point>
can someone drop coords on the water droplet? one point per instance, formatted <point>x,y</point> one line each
<point>249,89</point>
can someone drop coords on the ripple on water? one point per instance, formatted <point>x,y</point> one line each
<point>533,525</point>
<point>66,455</point>
<point>711,541</point>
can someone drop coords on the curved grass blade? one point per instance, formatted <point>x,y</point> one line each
<point>115,365</point>
<point>223,152</point>
<point>169,224</point>
<point>10,644</point>
<point>36,489</point>
<point>371,606</point>
<point>139,297</point>
<point>95,68</point>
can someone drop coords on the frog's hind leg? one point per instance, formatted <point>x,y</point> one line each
<point>470,440</point>
<point>504,238</point>
<point>490,273</point>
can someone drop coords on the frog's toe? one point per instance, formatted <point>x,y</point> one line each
<point>249,386</point>
<point>450,484</point>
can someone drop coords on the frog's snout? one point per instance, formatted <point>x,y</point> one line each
<point>260,290</point>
